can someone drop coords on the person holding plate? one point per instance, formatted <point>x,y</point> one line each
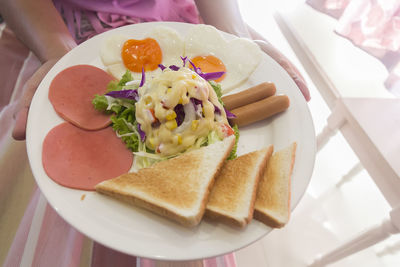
<point>37,34</point>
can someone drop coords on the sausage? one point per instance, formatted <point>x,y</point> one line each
<point>250,95</point>
<point>260,110</point>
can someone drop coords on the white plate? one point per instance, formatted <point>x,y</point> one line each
<point>138,232</point>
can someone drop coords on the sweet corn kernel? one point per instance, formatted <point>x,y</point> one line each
<point>179,139</point>
<point>171,124</point>
<point>152,142</point>
<point>148,100</point>
<point>193,76</point>
<point>170,115</point>
<point>195,124</point>
<point>180,101</point>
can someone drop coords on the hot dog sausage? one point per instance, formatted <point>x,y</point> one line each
<point>250,95</point>
<point>260,110</point>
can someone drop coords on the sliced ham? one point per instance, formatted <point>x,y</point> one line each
<point>80,159</point>
<point>72,91</point>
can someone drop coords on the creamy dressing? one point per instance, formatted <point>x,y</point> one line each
<point>156,111</point>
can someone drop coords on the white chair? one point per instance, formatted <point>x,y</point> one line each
<point>371,126</point>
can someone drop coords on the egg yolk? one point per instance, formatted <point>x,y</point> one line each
<point>209,64</point>
<point>138,54</point>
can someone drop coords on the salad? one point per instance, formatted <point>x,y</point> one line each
<point>177,111</point>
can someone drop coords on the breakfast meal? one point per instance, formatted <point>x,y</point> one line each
<point>158,130</point>
<point>234,192</point>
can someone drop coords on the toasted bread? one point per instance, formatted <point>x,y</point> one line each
<point>177,188</point>
<point>234,192</point>
<point>273,197</point>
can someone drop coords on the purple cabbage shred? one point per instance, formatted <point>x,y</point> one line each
<point>142,81</point>
<point>195,69</point>
<point>217,110</point>
<point>206,76</point>
<point>212,75</point>
<point>184,59</point>
<point>141,133</point>
<point>174,67</point>
<point>229,114</point>
<point>127,94</point>
<point>180,114</point>
<point>162,67</point>
<point>196,102</point>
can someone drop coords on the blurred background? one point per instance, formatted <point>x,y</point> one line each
<point>344,48</point>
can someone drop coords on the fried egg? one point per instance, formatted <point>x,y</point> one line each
<point>210,52</point>
<point>163,46</point>
<point>203,45</point>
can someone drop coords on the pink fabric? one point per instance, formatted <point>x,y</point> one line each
<point>17,249</point>
<point>104,257</point>
<point>333,8</point>
<point>372,25</point>
<point>210,262</point>
<point>147,263</point>
<point>230,260</point>
<point>103,15</point>
<point>59,244</point>
<point>227,260</point>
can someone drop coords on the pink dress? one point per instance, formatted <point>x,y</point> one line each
<point>32,233</point>
<point>372,25</point>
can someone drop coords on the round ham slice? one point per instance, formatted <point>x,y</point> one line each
<point>80,159</point>
<point>71,92</point>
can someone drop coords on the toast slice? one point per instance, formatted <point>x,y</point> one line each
<point>233,195</point>
<point>177,188</point>
<point>273,197</point>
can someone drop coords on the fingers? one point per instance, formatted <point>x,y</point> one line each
<point>31,85</point>
<point>285,63</point>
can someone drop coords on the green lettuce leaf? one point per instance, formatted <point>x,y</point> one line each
<point>233,154</point>
<point>100,102</point>
<point>121,127</point>
<point>218,90</point>
<point>118,85</point>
